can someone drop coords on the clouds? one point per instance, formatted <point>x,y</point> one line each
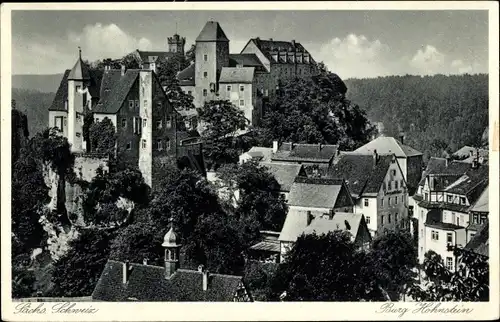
<point>102,41</point>
<point>52,56</point>
<point>356,56</point>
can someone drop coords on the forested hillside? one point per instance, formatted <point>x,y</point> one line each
<point>435,112</point>
<point>35,105</point>
<point>42,83</point>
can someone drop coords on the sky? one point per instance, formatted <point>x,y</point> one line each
<point>353,44</point>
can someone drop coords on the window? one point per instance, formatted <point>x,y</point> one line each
<point>190,93</point>
<point>242,88</point>
<point>449,238</point>
<point>395,184</point>
<point>426,196</point>
<point>367,219</point>
<point>472,235</point>
<point>205,74</point>
<point>228,88</point>
<point>159,144</point>
<point>396,217</point>
<point>483,220</point>
<point>205,57</point>
<point>143,144</point>
<point>242,102</point>
<point>205,92</point>
<point>389,187</point>
<point>77,87</point>
<point>382,219</point>
<point>124,122</point>
<point>475,218</point>
<point>131,104</point>
<point>382,201</point>
<point>449,263</point>
<point>434,235</point>
<point>78,134</point>
<point>402,199</point>
<point>389,218</point>
<point>393,172</point>
<point>458,220</point>
<point>137,106</point>
<point>389,201</point>
<point>393,161</point>
<point>402,183</point>
<point>129,145</point>
<point>159,124</point>
<point>396,200</point>
<point>144,122</point>
<point>168,145</point>
<point>462,200</point>
<point>366,202</point>
<point>58,122</point>
<point>169,121</point>
<point>145,103</point>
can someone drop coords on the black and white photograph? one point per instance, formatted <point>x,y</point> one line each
<point>212,154</point>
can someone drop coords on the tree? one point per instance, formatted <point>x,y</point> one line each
<point>393,257</point>
<point>167,70</point>
<point>222,121</point>
<point>259,196</point>
<point>20,131</point>
<point>191,54</point>
<point>77,272</point>
<point>102,136</point>
<point>88,120</point>
<point>470,281</point>
<point>325,268</point>
<point>315,110</point>
<point>23,281</point>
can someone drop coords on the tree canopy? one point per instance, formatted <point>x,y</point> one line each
<point>315,110</point>
<point>102,135</point>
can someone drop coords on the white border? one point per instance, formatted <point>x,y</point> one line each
<point>250,311</point>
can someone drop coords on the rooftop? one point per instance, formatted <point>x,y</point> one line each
<point>212,32</point>
<point>315,192</point>
<point>236,75</point>
<point>148,283</point>
<point>387,145</point>
<point>300,152</point>
<point>479,244</point>
<point>114,90</point>
<point>285,173</point>
<point>340,221</point>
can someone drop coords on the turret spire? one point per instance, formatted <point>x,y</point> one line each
<point>80,52</point>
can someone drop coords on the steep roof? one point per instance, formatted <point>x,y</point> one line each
<point>212,32</point>
<point>267,46</point>
<point>439,167</point>
<point>247,60</point>
<point>152,56</point>
<point>114,90</point>
<point>315,192</point>
<point>300,152</point>
<point>186,76</point>
<point>236,75</point>
<point>386,144</point>
<point>285,173</point>
<point>340,221</point>
<point>148,283</point>
<point>61,95</point>
<point>293,227</point>
<point>360,171</point>
<point>481,204</point>
<point>471,184</point>
<point>479,244</point>
<point>80,71</point>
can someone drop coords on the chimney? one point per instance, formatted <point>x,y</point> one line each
<point>293,43</point>
<point>375,157</point>
<point>125,269</point>
<point>402,138</point>
<point>330,214</point>
<point>347,225</point>
<point>309,218</point>
<point>275,146</point>
<point>123,70</point>
<point>471,153</point>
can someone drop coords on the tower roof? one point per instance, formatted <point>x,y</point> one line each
<point>170,239</point>
<point>212,32</point>
<point>80,70</point>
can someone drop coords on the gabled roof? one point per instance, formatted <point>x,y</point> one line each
<point>315,192</point>
<point>212,32</point>
<point>148,283</point>
<point>360,171</point>
<point>294,225</point>
<point>385,145</point>
<point>471,184</point>
<point>300,152</point>
<point>481,204</point>
<point>439,167</point>
<point>152,56</point>
<point>236,75</point>
<point>186,76</point>
<point>58,104</point>
<point>340,221</point>
<point>467,151</point>
<point>114,90</point>
<point>479,244</point>
<point>247,60</point>
<point>267,46</point>
<point>80,71</point>
<point>284,173</point>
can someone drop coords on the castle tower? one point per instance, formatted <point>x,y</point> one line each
<point>78,97</point>
<point>212,53</point>
<point>176,44</point>
<point>171,251</point>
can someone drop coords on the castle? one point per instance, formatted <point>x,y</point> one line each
<point>245,79</point>
<point>146,123</point>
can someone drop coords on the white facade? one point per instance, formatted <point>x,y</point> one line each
<point>145,113</point>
